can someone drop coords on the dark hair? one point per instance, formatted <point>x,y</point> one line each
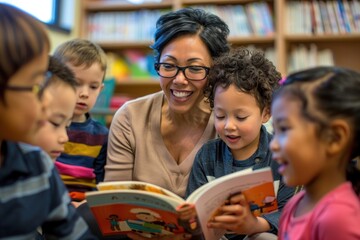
<point>250,71</point>
<point>62,72</point>
<point>188,21</point>
<point>23,38</point>
<point>328,93</point>
<point>81,52</point>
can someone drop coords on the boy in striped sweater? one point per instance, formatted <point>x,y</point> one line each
<point>81,165</point>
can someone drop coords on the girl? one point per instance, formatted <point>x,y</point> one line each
<point>317,136</point>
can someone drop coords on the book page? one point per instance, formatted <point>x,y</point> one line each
<point>137,185</point>
<point>121,211</point>
<point>257,186</point>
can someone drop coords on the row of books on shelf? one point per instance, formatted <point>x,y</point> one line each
<point>302,57</point>
<point>123,25</point>
<point>253,18</point>
<point>244,20</point>
<point>323,17</point>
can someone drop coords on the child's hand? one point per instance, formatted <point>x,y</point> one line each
<point>183,236</point>
<point>236,216</point>
<point>186,212</point>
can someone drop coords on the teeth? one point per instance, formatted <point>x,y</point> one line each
<point>181,94</point>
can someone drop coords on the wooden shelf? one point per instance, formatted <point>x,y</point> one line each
<point>111,5</point>
<point>121,45</point>
<point>323,38</point>
<point>134,89</point>
<point>345,47</point>
<point>217,2</point>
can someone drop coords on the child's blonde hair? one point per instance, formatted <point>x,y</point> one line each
<point>81,52</point>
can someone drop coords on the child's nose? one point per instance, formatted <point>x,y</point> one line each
<point>229,125</point>
<point>84,92</point>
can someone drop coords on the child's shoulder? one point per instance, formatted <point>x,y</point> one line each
<point>99,126</point>
<point>29,158</point>
<point>212,144</point>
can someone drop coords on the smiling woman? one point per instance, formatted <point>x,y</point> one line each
<point>155,138</point>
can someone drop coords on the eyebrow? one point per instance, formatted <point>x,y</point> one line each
<point>279,119</point>
<point>188,60</point>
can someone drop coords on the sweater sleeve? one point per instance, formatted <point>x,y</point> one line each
<point>99,163</point>
<point>120,156</point>
<point>63,221</point>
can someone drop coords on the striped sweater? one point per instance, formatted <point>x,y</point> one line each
<point>81,165</point>
<point>32,195</point>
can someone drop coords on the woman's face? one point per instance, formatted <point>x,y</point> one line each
<point>23,113</point>
<point>183,94</point>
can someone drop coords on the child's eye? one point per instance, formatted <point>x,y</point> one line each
<point>280,129</point>
<point>241,118</point>
<point>219,117</point>
<point>94,87</point>
<point>56,125</point>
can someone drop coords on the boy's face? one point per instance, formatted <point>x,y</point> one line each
<point>52,137</point>
<point>238,120</point>
<point>23,113</point>
<point>89,86</point>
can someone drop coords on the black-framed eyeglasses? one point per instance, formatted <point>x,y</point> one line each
<point>193,73</point>
<point>37,89</point>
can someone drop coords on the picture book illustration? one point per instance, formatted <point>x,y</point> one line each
<point>123,218</point>
<point>150,210</point>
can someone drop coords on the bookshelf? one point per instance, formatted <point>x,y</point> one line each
<point>344,47</point>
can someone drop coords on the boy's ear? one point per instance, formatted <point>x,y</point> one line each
<point>338,136</point>
<point>266,114</point>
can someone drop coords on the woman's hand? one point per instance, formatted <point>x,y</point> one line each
<point>236,216</point>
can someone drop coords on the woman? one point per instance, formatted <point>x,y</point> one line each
<point>155,138</point>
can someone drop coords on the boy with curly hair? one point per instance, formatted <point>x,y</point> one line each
<point>240,88</point>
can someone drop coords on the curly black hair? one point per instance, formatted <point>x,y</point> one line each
<point>250,71</point>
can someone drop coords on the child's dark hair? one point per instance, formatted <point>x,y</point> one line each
<point>62,72</point>
<point>250,71</point>
<point>23,38</point>
<point>212,30</point>
<point>325,94</point>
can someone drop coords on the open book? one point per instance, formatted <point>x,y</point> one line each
<point>124,206</point>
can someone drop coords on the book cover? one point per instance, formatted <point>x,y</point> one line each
<point>150,210</point>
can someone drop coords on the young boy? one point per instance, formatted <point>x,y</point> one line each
<point>62,86</point>
<point>81,165</point>
<point>241,84</point>
<point>32,194</point>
